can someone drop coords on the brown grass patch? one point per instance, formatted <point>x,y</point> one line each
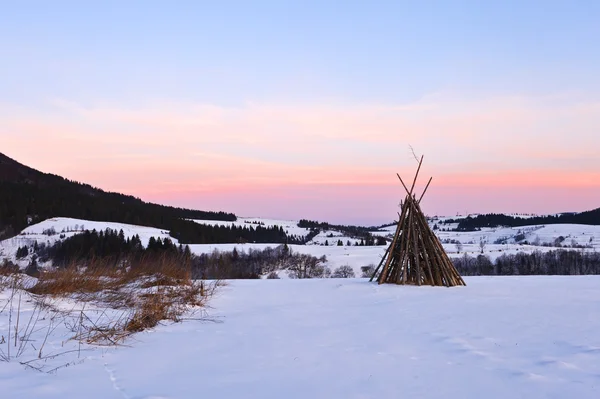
<point>99,275</point>
<point>154,289</point>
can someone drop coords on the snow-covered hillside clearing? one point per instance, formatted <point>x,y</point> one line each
<point>498,337</point>
<point>51,230</point>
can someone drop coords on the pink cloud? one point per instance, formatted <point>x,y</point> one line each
<point>336,160</point>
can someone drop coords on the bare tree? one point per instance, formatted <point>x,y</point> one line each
<point>307,266</point>
<point>482,244</point>
<point>459,247</point>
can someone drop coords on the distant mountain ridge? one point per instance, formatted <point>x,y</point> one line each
<point>29,196</point>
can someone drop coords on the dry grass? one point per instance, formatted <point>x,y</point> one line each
<point>72,280</point>
<point>152,289</point>
<point>8,275</point>
<point>99,275</point>
<point>107,304</point>
<point>153,309</point>
<point>113,302</point>
<point>118,301</point>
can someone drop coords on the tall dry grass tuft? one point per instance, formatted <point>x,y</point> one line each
<point>100,275</point>
<point>154,288</point>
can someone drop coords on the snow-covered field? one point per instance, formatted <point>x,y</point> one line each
<point>498,337</point>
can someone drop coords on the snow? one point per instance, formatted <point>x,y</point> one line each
<point>498,337</point>
<point>331,237</point>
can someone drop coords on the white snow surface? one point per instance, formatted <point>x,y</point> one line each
<point>498,337</point>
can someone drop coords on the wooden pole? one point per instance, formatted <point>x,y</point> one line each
<point>416,175</point>
<point>425,251</point>
<point>380,263</point>
<point>417,261</point>
<point>405,246</point>
<point>401,181</point>
<point>424,191</point>
<point>383,275</point>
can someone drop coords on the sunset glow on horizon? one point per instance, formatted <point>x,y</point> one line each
<point>270,111</point>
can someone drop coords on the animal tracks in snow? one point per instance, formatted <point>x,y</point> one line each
<point>118,388</point>
<point>576,363</point>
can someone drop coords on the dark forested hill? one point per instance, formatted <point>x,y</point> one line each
<point>494,220</point>
<point>29,196</point>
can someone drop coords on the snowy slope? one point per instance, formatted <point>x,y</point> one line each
<point>331,237</point>
<point>497,338</point>
<point>72,226</point>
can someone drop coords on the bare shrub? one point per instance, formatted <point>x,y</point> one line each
<point>273,276</point>
<point>367,271</point>
<point>343,272</point>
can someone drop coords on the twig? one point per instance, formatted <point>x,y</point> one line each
<point>413,153</point>
<point>80,324</point>
<point>18,317</point>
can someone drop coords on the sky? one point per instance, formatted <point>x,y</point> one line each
<point>308,109</point>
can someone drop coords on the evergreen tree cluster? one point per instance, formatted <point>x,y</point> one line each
<point>494,220</point>
<point>558,262</point>
<point>203,234</point>
<point>109,245</point>
<point>22,252</point>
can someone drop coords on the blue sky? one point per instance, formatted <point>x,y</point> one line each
<point>102,68</point>
<point>229,52</point>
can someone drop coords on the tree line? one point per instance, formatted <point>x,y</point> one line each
<point>193,233</point>
<point>557,262</point>
<point>364,233</point>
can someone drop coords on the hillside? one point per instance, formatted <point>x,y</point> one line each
<point>28,196</point>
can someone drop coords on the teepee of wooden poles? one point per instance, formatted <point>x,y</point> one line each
<point>416,255</point>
